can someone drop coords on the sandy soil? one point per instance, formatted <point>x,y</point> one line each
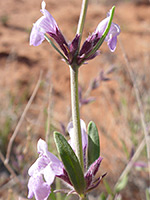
<point>115,104</point>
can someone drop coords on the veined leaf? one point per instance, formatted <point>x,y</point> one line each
<point>70,162</point>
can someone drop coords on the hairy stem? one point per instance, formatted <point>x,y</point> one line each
<point>82,18</point>
<point>76,113</point>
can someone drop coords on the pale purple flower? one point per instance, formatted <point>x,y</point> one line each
<point>93,39</point>
<point>43,25</point>
<point>47,24</point>
<point>43,172</point>
<point>47,166</point>
<point>111,37</point>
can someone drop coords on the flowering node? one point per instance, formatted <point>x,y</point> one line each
<point>105,31</point>
<point>48,166</point>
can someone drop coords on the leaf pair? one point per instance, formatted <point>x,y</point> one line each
<point>70,159</point>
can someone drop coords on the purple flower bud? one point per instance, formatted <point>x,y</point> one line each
<point>91,182</point>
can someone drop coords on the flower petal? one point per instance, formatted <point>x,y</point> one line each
<point>38,188</point>
<point>43,25</point>
<point>38,166</point>
<point>112,37</point>
<point>42,147</point>
<point>36,37</point>
<point>83,132</point>
<point>101,27</point>
<point>55,164</point>
<point>49,175</point>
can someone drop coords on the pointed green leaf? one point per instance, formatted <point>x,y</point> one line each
<point>70,162</point>
<point>93,143</point>
<point>122,184</point>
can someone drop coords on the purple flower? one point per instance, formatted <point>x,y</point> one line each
<point>47,24</point>
<point>47,167</point>
<point>43,25</point>
<point>111,37</point>
<point>93,39</point>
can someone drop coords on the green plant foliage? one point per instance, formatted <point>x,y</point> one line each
<point>93,143</point>
<point>122,184</point>
<point>147,194</point>
<point>102,196</point>
<point>70,162</point>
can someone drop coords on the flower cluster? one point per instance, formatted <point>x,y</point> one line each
<point>47,24</point>
<point>48,166</point>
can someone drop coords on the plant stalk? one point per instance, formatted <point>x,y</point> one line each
<point>82,19</point>
<point>76,113</point>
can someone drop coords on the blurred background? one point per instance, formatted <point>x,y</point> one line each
<point>114,92</point>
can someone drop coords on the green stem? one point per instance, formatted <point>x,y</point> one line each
<point>82,19</point>
<point>76,113</point>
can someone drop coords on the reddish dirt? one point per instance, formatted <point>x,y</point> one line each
<point>115,104</point>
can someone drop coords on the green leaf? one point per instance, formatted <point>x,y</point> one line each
<point>93,143</point>
<point>70,162</point>
<point>122,184</point>
<point>52,195</point>
<point>102,196</point>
